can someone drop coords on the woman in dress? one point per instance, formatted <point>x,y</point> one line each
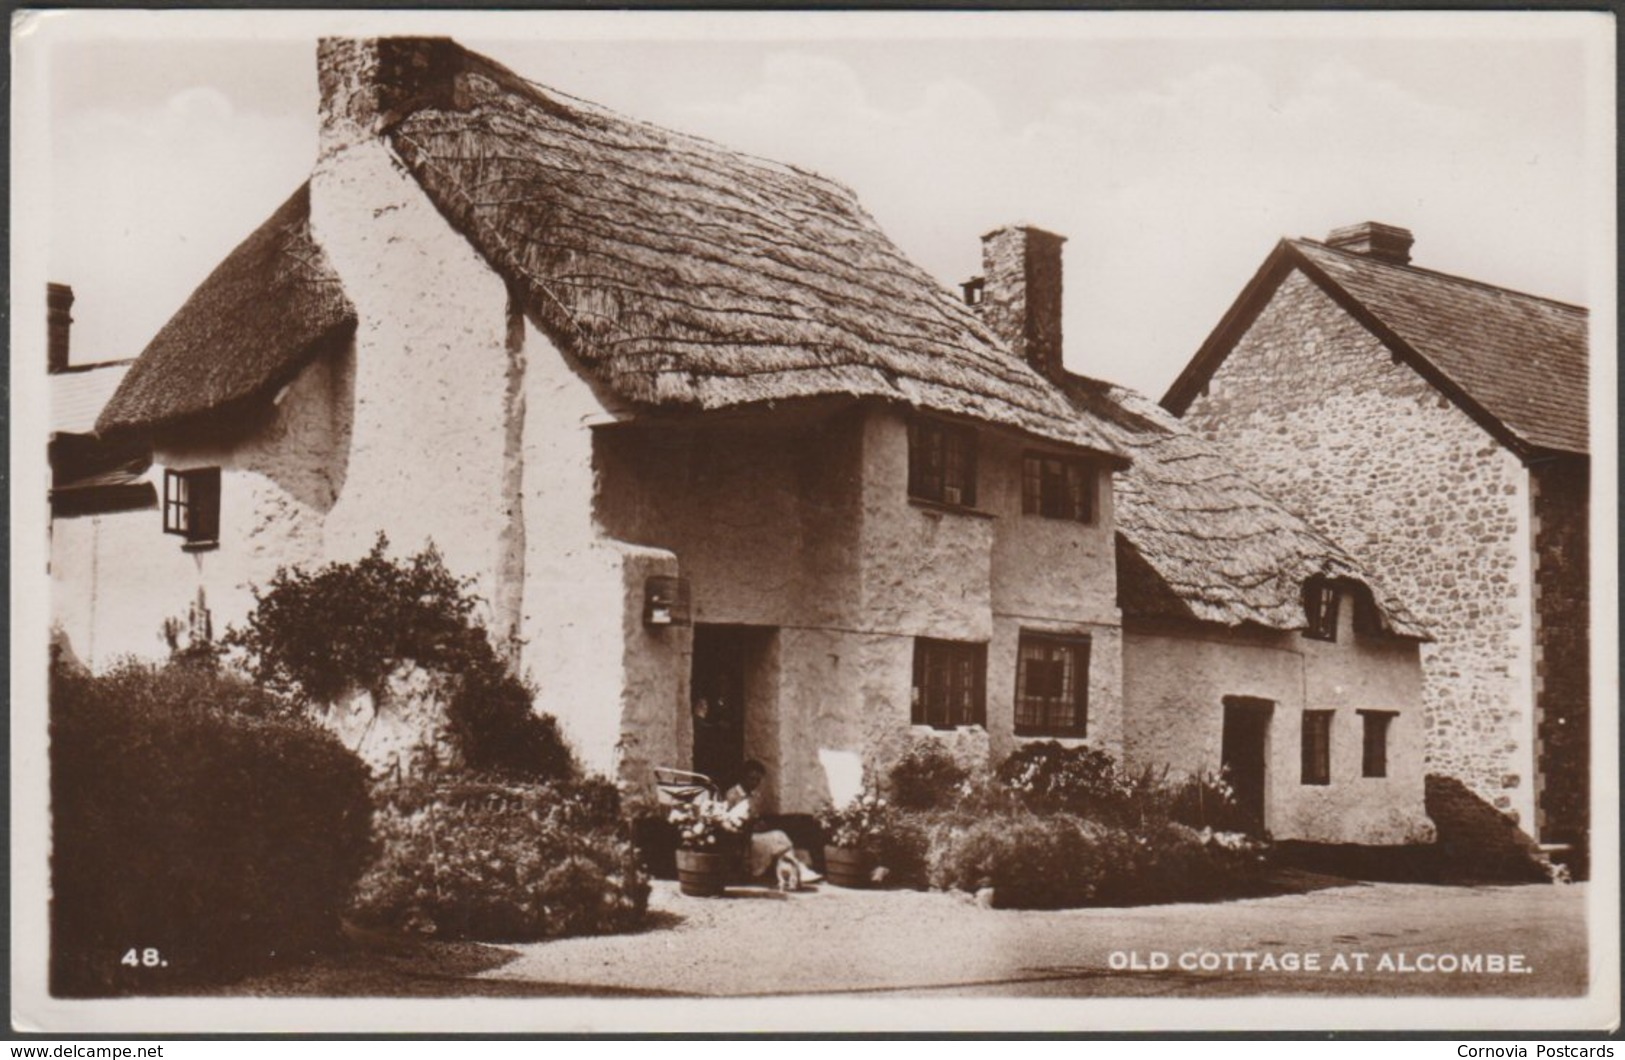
<point>767,846</point>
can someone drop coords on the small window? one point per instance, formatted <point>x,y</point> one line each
<point>1374,756</point>
<point>1317,747</point>
<point>950,679</point>
<point>1320,601</point>
<point>1052,685</point>
<point>942,463</point>
<point>1057,487</point>
<point>192,505</point>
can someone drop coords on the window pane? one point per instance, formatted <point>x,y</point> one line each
<point>1052,676</point>
<point>1374,761</point>
<point>1317,747</point>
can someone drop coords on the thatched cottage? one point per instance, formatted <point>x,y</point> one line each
<point>1439,427</point>
<point>734,477</point>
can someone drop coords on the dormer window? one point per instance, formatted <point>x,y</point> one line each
<point>192,506</point>
<point>1057,487</point>
<point>1320,604</point>
<point>975,290</point>
<point>942,463</point>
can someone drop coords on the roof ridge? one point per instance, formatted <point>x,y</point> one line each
<point>1450,276</point>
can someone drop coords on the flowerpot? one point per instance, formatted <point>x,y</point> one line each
<point>846,867</point>
<point>701,874</point>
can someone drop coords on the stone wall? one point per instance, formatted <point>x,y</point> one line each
<point>1318,411</point>
<point>1178,675</point>
<point>1562,646</point>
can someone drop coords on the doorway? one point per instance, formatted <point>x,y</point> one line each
<point>718,697</point>
<point>1244,753</point>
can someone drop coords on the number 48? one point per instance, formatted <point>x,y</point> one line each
<point>147,958</point>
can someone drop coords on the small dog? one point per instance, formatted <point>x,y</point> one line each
<point>788,871</point>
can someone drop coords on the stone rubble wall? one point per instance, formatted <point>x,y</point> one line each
<point>1319,412</point>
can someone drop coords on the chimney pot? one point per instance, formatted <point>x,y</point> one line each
<point>1021,296</point>
<point>1372,239</point>
<point>58,301</point>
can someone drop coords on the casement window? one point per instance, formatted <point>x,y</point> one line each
<point>941,463</point>
<point>192,505</point>
<point>1052,685</point>
<point>950,683</point>
<point>1057,487</point>
<point>1374,753</point>
<point>1317,747</point>
<point>1320,603</point>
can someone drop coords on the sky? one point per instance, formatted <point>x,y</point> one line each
<point>1172,151</point>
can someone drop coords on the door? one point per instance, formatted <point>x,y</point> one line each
<point>1243,753</point>
<point>717,699</point>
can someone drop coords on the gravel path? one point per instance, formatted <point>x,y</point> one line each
<point>835,941</point>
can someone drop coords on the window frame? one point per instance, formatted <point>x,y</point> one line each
<point>1080,646</point>
<point>965,662</point>
<point>1071,495</point>
<point>192,505</point>
<point>951,448</point>
<point>1322,604</point>
<point>1378,724</point>
<point>1315,767</point>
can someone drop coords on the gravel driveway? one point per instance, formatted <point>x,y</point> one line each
<point>831,941</point>
<point>835,941</point>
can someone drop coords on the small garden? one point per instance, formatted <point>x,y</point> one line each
<point>1052,827</point>
<point>206,823</point>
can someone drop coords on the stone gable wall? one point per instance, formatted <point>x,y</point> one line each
<point>1319,412</point>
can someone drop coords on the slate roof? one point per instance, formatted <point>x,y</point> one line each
<point>1516,362</point>
<point>1197,540</point>
<point>79,394</point>
<point>681,274</point>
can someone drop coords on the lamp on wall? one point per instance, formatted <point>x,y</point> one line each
<point>665,601</point>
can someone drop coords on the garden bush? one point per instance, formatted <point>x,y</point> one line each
<point>1080,780</point>
<point>498,860</point>
<point>316,636</point>
<point>1058,860</point>
<point>926,778</point>
<point>198,829</point>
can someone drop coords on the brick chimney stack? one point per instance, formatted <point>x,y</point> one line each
<point>1019,295</point>
<point>58,301</point>
<point>1372,239</point>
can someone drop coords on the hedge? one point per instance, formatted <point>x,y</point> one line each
<point>198,830</point>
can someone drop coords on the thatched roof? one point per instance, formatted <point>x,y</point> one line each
<point>249,329</point>
<point>686,275</point>
<point>1197,540</point>
<point>1515,362</point>
<point>682,275</point>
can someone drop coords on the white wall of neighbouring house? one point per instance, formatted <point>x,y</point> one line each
<point>1177,676</point>
<point>115,578</point>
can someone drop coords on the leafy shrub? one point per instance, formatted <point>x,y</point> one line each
<point>315,636</point>
<point>1206,800</point>
<point>859,825</point>
<point>496,860</point>
<point>1081,780</point>
<point>925,778</point>
<point>1057,860</point>
<point>193,816</point>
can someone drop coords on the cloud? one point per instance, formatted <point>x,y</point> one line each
<point>147,199</point>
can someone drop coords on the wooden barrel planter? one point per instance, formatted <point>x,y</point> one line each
<point>845,867</point>
<point>702,875</point>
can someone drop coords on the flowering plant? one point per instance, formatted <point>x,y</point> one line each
<point>702,823</point>
<point>859,825</point>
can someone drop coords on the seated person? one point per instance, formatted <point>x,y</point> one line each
<point>767,845</point>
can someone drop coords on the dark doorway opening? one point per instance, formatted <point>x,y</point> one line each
<point>1244,753</point>
<point>717,696</point>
